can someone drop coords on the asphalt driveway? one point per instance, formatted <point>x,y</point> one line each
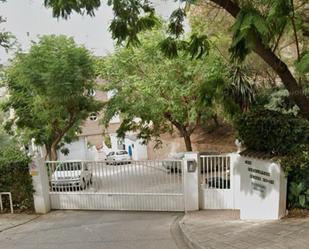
<point>94,230</point>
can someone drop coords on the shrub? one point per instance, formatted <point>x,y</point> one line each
<point>298,194</point>
<point>296,166</point>
<point>271,131</point>
<point>15,177</point>
<point>286,137</point>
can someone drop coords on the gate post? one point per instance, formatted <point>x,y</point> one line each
<point>191,181</point>
<point>235,178</point>
<point>40,184</point>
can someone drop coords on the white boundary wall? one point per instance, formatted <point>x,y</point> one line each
<point>259,188</point>
<point>262,190</point>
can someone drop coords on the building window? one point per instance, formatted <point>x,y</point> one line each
<point>93,116</point>
<point>91,92</point>
<point>120,144</point>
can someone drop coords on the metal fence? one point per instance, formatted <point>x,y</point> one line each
<point>120,185</point>
<point>215,172</point>
<point>216,190</point>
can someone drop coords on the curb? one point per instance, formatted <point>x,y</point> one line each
<point>191,243</point>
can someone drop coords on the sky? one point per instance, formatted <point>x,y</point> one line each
<point>27,19</point>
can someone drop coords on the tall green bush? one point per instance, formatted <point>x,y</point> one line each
<point>15,177</point>
<point>272,132</point>
<point>286,137</point>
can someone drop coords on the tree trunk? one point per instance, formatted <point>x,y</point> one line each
<point>58,136</point>
<point>47,156</point>
<point>295,90</point>
<point>215,119</point>
<point>53,154</point>
<point>53,148</point>
<point>187,139</point>
<point>182,130</point>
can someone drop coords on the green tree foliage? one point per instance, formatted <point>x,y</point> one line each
<point>215,23</point>
<point>240,91</point>
<point>4,137</point>
<point>7,40</point>
<point>131,17</point>
<point>241,78</point>
<point>302,64</point>
<point>155,94</point>
<point>259,26</point>
<point>279,101</point>
<point>48,91</point>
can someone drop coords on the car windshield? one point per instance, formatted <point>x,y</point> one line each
<point>69,167</point>
<point>178,156</point>
<point>110,154</point>
<point>121,152</point>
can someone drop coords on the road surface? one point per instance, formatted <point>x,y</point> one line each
<point>95,230</point>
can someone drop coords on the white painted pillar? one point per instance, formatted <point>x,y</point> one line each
<point>191,181</point>
<point>38,172</point>
<point>235,178</point>
<point>262,189</point>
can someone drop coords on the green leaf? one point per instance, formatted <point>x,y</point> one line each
<point>198,46</point>
<point>302,200</point>
<point>300,188</point>
<point>302,65</point>
<point>175,26</point>
<point>249,23</point>
<point>169,47</point>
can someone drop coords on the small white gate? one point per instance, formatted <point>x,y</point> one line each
<point>216,190</point>
<point>132,185</point>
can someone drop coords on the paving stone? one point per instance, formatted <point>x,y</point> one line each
<point>223,229</point>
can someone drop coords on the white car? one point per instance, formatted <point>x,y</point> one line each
<point>118,155</point>
<point>71,175</point>
<point>172,164</point>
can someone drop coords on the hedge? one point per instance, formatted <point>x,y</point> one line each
<point>286,137</point>
<point>15,177</point>
<point>272,132</point>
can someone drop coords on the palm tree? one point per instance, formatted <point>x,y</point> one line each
<point>240,89</point>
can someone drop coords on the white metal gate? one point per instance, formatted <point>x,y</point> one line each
<point>130,185</point>
<point>216,191</point>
